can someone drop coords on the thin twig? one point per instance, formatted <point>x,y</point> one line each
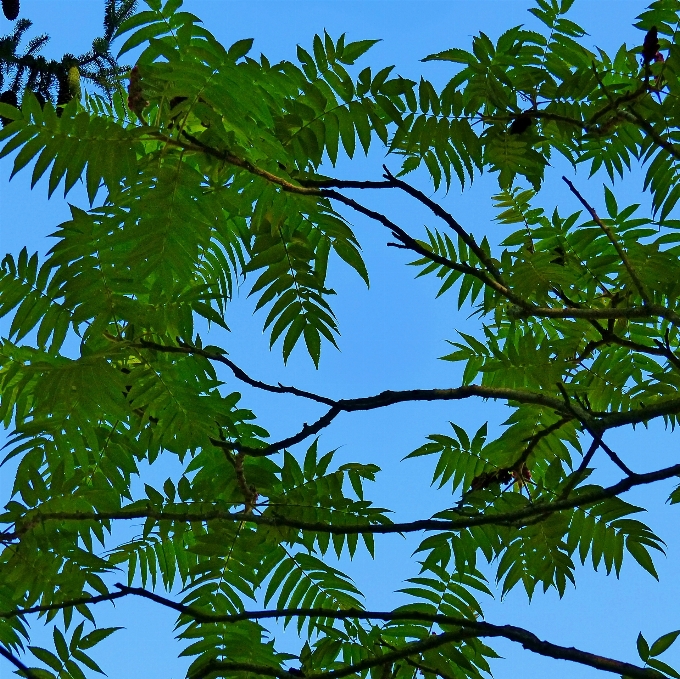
<point>438,210</point>
<point>613,240</point>
<point>82,601</point>
<point>578,474</point>
<point>639,312</point>
<point>306,431</point>
<point>311,187</point>
<point>633,116</point>
<point>536,439</point>
<point>412,244</point>
<point>616,459</point>
<point>238,372</point>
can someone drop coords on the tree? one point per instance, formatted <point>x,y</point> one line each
<point>214,167</point>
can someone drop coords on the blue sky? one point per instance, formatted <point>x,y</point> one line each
<point>392,334</point>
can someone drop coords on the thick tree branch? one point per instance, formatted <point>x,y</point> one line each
<point>388,398</point>
<point>192,514</point>
<point>469,628</point>
<point>230,666</point>
<point>606,420</point>
<point>475,628</point>
<point>330,183</point>
<point>635,312</point>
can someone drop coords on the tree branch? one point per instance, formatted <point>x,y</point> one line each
<point>438,210</point>
<point>617,460</point>
<point>388,398</point>
<point>17,663</point>
<point>306,431</point>
<point>412,244</point>
<point>613,240</point>
<point>238,372</point>
<point>514,518</point>
<point>470,628</point>
<point>86,600</point>
<point>525,309</point>
<point>633,116</point>
<point>475,628</point>
<point>606,420</point>
<point>536,439</point>
<point>647,311</point>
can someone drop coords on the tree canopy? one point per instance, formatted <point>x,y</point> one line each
<point>207,169</point>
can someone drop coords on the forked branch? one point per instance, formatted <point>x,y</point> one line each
<point>465,628</point>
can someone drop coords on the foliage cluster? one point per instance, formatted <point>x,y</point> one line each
<point>214,168</point>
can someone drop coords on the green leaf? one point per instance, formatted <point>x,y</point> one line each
<point>240,48</point>
<point>313,342</point>
<point>142,35</point>
<point>60,645</point>
<point>663,643</point>
<point>454,54</point>
<point>641,555</point>
<point>663,667</point>
<point>353,50</point>
<point>642,648</point>
<point>350,254</point>
<point>47,657</point>
<point>610,202</point>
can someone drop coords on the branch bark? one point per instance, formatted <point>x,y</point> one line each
<point>17,663</point>
<point>468,628</point>
<point>514,518</point>
<point>471,628</point>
